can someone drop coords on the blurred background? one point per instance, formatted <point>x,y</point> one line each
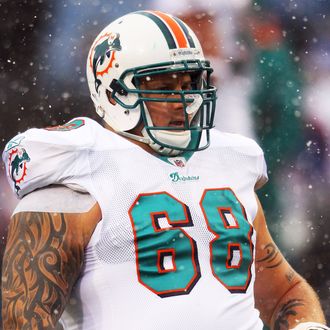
<point>272,69</point>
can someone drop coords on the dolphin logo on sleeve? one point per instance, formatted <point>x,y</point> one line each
<point>18,158</point>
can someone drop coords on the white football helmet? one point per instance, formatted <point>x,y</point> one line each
<point>143,44</point>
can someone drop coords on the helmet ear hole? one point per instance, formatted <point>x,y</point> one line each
<point>100,111</point>
<point>110,98</point>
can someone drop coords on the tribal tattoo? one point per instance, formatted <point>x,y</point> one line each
<point>290,275</point>
<point>287,310</point>
<point>273,257</point>
<point>42,261</point>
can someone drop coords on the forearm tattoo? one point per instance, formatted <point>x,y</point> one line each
<point>290,275</point>
<point>287,310</point>
<point>273,257</point>
<point>40,266</point>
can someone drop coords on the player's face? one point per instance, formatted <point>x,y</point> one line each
<point>167,113</point>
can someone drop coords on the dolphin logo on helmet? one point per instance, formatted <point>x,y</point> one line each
<point>104,54</point>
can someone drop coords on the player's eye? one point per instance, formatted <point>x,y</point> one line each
<point>187,87</point>
<point>164,88</point>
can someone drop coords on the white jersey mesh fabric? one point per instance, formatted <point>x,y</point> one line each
<point>120,286</point>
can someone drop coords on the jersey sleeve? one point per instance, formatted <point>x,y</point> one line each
<point>262,177</point>
<point>249,153</point>
<point>250,148</point>
<point>40,157</point>
<point>58,199</point>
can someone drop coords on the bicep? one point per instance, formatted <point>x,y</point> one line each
<point>42,260</point>
<point>274,275</point>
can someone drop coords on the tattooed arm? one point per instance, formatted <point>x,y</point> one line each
<point>43,258</point>
<point>282,296</point>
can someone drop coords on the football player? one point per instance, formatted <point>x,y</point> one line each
<point>142,224</point>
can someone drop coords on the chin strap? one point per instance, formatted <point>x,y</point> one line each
<point>172,138</point>
<point>177,139</point>
<point>147,140</point>
<point>134,137</point>
<point>310,326</point>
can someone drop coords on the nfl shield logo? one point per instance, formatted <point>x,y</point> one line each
<point>179,163</point>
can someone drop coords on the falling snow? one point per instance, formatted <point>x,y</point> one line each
<point>272,68</point>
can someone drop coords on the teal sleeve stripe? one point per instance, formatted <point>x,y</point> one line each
<point>162,26</point>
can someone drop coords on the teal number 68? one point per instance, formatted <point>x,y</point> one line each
<point>167,256</point>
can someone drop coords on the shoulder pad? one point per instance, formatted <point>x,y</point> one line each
<point>247,147</point>
<point>39,157</point>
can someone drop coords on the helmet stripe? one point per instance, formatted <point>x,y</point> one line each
<point>162,26</point>
<point>175,32</point>
<point>175,28</point>
<point>186,32</point>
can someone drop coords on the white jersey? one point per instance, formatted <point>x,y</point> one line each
<point>175,246</point>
